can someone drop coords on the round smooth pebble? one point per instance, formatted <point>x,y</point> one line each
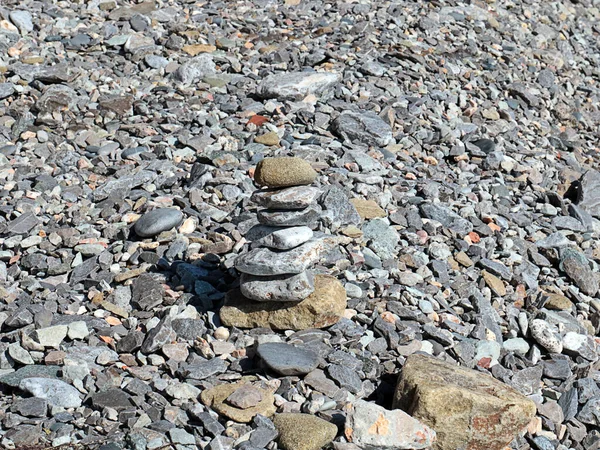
<point>221,334</point>
<point>156,221</point>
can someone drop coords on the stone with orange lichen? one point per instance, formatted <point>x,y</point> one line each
<point>369,425</point>
<point>467,409</point>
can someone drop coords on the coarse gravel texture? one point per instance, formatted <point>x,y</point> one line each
<point>455,148</point>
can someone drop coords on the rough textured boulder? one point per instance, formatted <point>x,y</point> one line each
<point>323,308</point>
<point>467,409</point>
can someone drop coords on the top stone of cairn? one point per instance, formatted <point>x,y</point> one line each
<point>283,172</point>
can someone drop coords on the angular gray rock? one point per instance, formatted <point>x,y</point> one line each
<point>370,426</point>
<point>57,97</point>
<point>577,267</point>
<point>297,85</point>
<point>364,127</point>
<point>277,288</point>
<point>587,193</point>
<point>195,69</point>
<point>296,197</point>
<point>22,20</point>
<point>56,392</point>
<point>447,218</point>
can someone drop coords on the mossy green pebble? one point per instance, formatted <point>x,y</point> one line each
<point>284,171</point>
<point>303,431</point>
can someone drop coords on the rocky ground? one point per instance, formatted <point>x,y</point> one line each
<point>451,152</point>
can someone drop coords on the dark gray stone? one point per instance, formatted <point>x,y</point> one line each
<point>345,377</point>
<point>364,127</point>
<point>157,221</point>
<point>447,218</point>
<point>146,292</point>
<point>112,398</point>
<point>286,359</point>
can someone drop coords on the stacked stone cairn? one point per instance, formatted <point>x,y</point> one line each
<point>277,287</point>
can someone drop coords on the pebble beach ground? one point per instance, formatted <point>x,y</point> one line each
<point>299,224</point>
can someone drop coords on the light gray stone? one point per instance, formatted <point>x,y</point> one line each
<point>544,335</point>
<point>277,288</point>
<point>371,426</point>
<point>56,392</point>
<point>52,336</point>
<point>195,69</point>
<point>265,262</point>
<point>297,85</point>
<point>22,20</point>
<point>296,197</point>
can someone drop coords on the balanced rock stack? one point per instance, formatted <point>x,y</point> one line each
<point>277,287</point>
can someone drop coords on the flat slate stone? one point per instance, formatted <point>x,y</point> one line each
<point>284,218</point>
<point>14,379</point>
<point>265,262</point>
<point>156,221</point>
<point>296,197</point>
<point>286,359</point>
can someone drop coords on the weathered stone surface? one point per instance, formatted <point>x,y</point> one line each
<point>297,85</point>
<point>56,392</point>
<point>265,262</point>
<point>367,209</point>
<point>216,397</point>
<point>284,218</point>
<point>544,335</point>
<point>286,359</point>
<point>195,69</point>
<point>295,197</point>
<point>284,172</point>
<point>57,98</point>
<point>363,126</point>
<point>303,431</point>
<point>369,426</point>
<point>578,269</point>
<point>464,407</point>
<point>277,288</point>
<point>245,397</point>
<point>323,308</point>
<point>283,238</point>
<point>447,218</point>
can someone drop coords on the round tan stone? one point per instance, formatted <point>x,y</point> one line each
<point>283,172</point>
